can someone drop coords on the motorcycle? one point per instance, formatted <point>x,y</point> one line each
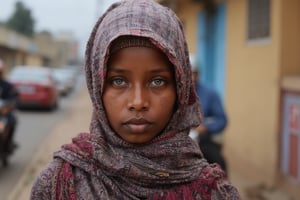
<point>5,108</point>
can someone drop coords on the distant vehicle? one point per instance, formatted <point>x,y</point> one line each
<point>36,86</point>
<point>65,79</point>
<point>63,82</point>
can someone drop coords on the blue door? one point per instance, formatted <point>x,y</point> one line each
<point>211,48</point>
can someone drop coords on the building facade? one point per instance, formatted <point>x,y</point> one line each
<point>249,51</point>
<point>262,46</point>
<point>42,50</point>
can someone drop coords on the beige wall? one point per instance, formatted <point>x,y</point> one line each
<point>45,44</point>
<point>14,40</point>
<point>290,64</point>
<point>20,58</point>
<point>17,49</point>
<point>188,11</point>
<point>252,94</point>
<point>34,60</point>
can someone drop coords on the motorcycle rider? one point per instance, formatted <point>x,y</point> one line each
<point>9,94</point>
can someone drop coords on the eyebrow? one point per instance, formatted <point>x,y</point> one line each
<point>116,70</point>
<point>158,70</point>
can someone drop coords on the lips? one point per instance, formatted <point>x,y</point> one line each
<point>137,125</point>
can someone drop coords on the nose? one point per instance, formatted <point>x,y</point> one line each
<point>138,99</point>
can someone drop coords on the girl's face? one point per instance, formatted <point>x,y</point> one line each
<point>139,93</point>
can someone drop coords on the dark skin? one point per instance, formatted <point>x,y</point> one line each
<point>139,93</point>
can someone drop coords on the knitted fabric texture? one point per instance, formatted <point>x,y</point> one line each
<point>130,41</point>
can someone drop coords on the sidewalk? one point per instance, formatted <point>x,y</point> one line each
<point>250,190</point>
<point>77,120</point>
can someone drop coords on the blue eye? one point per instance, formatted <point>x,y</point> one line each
<point>158,82</point>
<point>118,82</point>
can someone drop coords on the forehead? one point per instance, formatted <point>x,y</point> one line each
<point>142,56</point>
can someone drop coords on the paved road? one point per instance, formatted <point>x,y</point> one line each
<point>33,127</point>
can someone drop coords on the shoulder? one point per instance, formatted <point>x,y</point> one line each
<point>44,182</point>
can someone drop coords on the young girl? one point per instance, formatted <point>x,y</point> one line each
<point>139,79</point>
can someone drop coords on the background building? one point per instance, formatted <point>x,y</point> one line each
<point>248,51</point>
<point>41,50</point>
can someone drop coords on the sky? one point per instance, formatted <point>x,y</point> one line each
<point>76,16</point>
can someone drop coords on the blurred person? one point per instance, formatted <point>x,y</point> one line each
<point>9,94</point>
<point>139,79</point>
<point>214,120</point>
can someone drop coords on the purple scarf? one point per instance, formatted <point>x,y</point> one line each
<point>99,164</point>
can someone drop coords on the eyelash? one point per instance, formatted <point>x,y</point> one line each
<point>162,82</point>
<point>113,81</point>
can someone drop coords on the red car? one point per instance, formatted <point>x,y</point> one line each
<point>35,85</point>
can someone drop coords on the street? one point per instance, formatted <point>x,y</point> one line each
<point>33,127</point>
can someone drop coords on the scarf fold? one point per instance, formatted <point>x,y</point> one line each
<point>175,160</point>
<point>139,173</point>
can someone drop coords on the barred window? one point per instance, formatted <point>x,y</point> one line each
<point>258,19</point>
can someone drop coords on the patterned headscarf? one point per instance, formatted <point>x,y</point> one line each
<point>101,165</point>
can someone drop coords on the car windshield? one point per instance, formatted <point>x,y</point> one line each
<point>29,75</point>
<point>60,74</point>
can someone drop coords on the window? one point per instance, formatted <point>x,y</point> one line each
<point>258,19</point>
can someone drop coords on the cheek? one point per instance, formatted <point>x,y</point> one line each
<point>167,102</point>
<point>110,103</point>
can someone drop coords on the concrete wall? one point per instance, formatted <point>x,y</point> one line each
<point>43,50</point>
<point>252,98</point>
<point>34,60</point>
<point>14,40</point>
<point>45,44</point>
<point>188,11</point>
<point>290,63</point>
<point>17,49</point>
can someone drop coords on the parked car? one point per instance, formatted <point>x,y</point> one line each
<point>66,78</point>
<point>63,82</point>
<point>71,75</point>
<point>35,85</point>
